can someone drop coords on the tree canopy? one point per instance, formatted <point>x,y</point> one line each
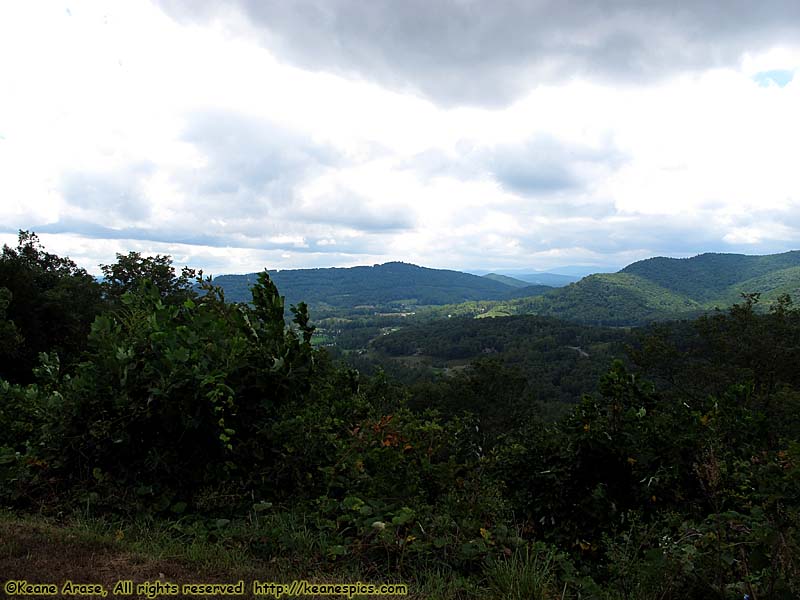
<point>132,269</point>
<point>48,303</point>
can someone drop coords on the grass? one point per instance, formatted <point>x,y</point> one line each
<point>526,575</point>
<point>276,547</point>
<point>95,550</point>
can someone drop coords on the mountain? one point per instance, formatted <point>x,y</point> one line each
<point>390,283</point>
<point>579,271</point>
<point>665,288</point>
<point>513,282</point>
<point>551,279</point>
<point>708,277</point>
<point>652,289</point>
<point>615,299</point>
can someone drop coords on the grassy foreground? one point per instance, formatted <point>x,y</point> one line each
<point>38,549</point>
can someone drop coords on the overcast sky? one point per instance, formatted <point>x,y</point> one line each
<point>456,134</point>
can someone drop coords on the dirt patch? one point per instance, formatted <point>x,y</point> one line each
<point>40,553</point>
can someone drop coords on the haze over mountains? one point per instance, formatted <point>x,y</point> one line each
<point>525,279</point>
<point>647,290</point>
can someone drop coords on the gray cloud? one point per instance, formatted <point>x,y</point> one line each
<point>544,165</point>
<point>555,177</point>
<point>363,244</point>
<point>344,208</point>
<point>655,235</point>
<point>615,239</point>
<point>251,159</point>
<point>489,53</point>
<point>116,194</point>
<point>167,235</point>
<point>787,215</point>
<point>246,195</point>
<point>255,169</point>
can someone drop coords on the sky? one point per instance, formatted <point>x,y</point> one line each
<point>509,135</point>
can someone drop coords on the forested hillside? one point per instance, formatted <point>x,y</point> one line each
<point>218,426</point>
<point>390,283</point>
<point>664,288</point>
<point>707,277</point>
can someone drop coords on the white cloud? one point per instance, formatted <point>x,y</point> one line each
<point>123,129</point>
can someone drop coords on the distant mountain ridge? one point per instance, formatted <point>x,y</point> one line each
<point>552,279</point>
<point>392,282</point>
<point>512,281</point>
<point>536,277</point>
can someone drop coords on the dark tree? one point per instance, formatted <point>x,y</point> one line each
<point>48,304</point>
<point>132,270</point>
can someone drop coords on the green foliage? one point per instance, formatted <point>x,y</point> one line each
<point>521,365</point>
<point>704,482</point>
<point>10,337</point>
<point>770,286</point>
<point>522,576</point>
<point>691,361</point>
<point>132,270</point>
<point>397,489</point>
<point>174,398</point>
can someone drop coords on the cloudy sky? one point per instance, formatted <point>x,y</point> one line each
<point>463,134</point>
